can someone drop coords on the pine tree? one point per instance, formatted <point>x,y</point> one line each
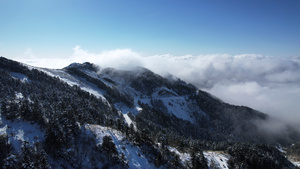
<point>108,146</point>
<point>41,161</point>
<point>26,156</point>
<point>4,148</point>
<point>198,160</point>
<point>10,162</point>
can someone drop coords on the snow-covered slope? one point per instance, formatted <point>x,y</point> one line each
<point>133,154</point>
<point>174,103</point>
<point>217,159</point>
<point>72,80</point>
<point>19,131</point>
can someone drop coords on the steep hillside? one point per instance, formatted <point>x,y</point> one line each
<point>155,102</point>
<point>92,117</point>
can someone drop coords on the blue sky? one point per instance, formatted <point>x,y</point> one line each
<point>52,28</point>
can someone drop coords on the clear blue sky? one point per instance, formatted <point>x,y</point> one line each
<point>54,27</point>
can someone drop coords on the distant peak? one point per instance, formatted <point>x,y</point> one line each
<point>85,65</point>
<point>73,65</point>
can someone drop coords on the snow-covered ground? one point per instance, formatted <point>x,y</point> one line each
<point>184,157</point>
<point>127,119</point>
<point>176,105</point>
<point>216,158</point>
<point>19,131</point>
<point>71,80</point>
<point>296,163</point>
<point>132,153</point>
<point>20,76</point>
<point>219,159</point>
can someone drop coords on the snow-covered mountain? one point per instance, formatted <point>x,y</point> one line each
<point>87,116</point>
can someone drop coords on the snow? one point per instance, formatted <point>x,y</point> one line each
<point>164,92</point>
<point>178,107</point>
<point>217,157</point>
<point>19,131</point>
<point>73,65</point>
<point>19,96</point>
<point>127,119</point>
<point>72,80</point>
<point>184,157</point>
<point>279,148</point>
<point>296,163</point>
<point>122,108</point>
<point>20,76</point>
<point>3,130</point>
<point>132,153</point>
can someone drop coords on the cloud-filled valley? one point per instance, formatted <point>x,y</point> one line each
<point>266,83</point>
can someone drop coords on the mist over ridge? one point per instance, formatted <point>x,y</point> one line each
<point>267,83</point>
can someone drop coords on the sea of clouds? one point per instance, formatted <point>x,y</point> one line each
<point>266,83</point>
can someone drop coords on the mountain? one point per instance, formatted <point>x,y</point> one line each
<point>87,116</point>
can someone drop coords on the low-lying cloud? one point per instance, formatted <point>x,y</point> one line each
<point>266,83</point>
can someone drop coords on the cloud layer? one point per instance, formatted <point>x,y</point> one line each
<point>266,83</point>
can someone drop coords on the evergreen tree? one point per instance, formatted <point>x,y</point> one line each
<point>5,148</point>
<point>108,146</point>
<point>198,160</point>
<point>26,156</point>
<point>41,160</point>
<point>11,162</point>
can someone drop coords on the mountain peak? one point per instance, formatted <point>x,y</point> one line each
<point>85,65</point>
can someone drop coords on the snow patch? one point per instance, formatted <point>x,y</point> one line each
<point>19,96</point>
<point>20,76</point>
<point>217,159</point>
<point>296,163</point>
<point>19,131</point>
<point>3,130</point>
<point>127,119</point>
<point>184,157</point>
<point>71,80</point>
<point>122,108</point>
<point>132,153</point>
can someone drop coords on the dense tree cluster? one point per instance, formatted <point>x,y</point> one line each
<point>4,148</point>
<point>30,157</point>
<point>253,156</point>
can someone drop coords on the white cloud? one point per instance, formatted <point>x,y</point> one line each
<point>119,58</point>
<point>266,83</point>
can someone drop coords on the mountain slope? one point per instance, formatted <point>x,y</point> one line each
<point>140,90</point>
<point>116,118</point>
